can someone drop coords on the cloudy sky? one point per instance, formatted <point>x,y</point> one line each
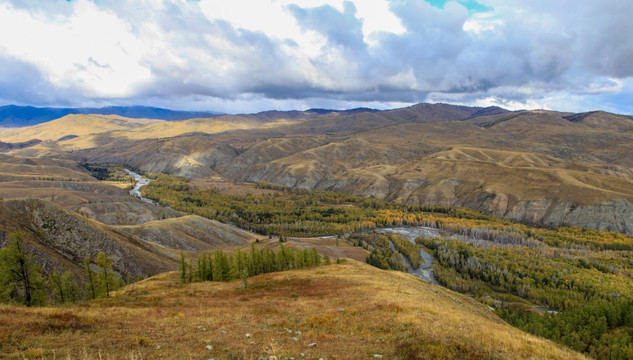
<point>239,56</point>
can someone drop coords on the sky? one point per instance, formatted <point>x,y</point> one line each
<point>244,56</point>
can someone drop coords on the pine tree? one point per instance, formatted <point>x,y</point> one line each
<point>20,277</point>
<point>183,267</point>
<point>69,284</point>
<point>221,268</point>
<point>315,258</point>
<point>245,278</point>
<point>105,276</point>
<point>189,271</point>
<point>55,281</point>
<point>64,287</point>
<point>92,279</point>
<point>209,269</point>
<point>200,270</point>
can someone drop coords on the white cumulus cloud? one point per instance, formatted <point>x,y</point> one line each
<point>249,55</point>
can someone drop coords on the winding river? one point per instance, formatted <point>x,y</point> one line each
<point>425,271</point>
<point>140,182</point>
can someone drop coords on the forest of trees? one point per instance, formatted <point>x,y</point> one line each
<point>218,266</point>
<point>590,290</point>
<point>602,329</point>
<point>23,281</point>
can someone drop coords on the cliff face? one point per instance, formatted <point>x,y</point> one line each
<point>612,215</point>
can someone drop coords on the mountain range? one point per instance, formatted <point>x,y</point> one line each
<point>543,168</point>
<point>17,116</point>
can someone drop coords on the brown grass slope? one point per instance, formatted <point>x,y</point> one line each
<point>62,238</point>
<point>346,311</point>
<point>535,167</point>
<point>191,233</point>
<point>18,168</point>
<point>73,125</point>
<point>191,155</point>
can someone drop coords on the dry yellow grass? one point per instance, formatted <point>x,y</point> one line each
<point>229,187</point>
<point>78,125</point>
<point>208,126</point>
<point>346,311</point>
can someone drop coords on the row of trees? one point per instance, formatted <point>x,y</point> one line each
<point>300,212</point>
<point>22,280</point>
<point>218,266</point>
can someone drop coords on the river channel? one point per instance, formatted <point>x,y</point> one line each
<point>140,182</point>
<point>425,271</point>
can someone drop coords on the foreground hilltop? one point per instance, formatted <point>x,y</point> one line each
<point>542,168</point>
<point>339,311</point>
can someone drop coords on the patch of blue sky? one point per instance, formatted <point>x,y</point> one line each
<point>472,5</point>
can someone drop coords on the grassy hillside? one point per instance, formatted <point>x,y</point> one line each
<point>315,312</point>
<point>192,233</point>
<point>18,168</point>
<point>71,126</point>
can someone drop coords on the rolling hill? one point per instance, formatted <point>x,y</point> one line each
<point>312,313</point>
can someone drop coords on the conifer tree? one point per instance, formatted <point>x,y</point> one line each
<point>189,271</point>
<point>209,269</point>
<point>20,277</point>
<point>183,267</point>
<point>221,268</point>
<point>315,258</point>
<point>73,291</point>
<point>64,287</point>
<point>245,278</point>
<point>200,272</point>
<point>92,279</point>
<point>105,276</point>
<point>55,280</point>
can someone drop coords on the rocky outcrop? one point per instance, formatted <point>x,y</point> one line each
<point>62,239</point>
<point>613,215</point>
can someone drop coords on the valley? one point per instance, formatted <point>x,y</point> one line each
<point>541,168</point>
<point>316,180</point>
<point>519,211</point>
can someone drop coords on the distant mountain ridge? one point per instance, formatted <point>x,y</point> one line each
<point>538,167</point>
<point>18,116</point>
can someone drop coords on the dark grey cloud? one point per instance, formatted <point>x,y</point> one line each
<point>519,52</point>
<point>23,83</point>
<point>342,29</point>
